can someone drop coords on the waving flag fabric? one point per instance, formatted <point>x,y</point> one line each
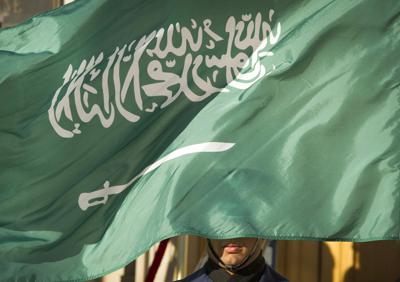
<point>125,122</point>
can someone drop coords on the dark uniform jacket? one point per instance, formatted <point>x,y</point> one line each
<point>208,273</point>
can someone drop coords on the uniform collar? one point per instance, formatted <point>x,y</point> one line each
<point>250,273</point>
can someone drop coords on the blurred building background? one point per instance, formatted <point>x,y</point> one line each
<point>300,261</point>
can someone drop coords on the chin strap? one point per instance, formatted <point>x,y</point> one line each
<point>233,267</point>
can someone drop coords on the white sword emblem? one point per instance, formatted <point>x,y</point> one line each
<point>100,196</point>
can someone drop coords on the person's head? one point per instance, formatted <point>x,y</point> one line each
<point>234,253</point>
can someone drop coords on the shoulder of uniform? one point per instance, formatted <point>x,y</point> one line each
<point>198,276</point>
<point>274,276</point>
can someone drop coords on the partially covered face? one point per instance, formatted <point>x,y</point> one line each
<point>233,251</point>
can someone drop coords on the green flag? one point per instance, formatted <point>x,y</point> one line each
<point>124,122</point>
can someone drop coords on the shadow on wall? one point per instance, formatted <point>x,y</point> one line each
<point>375,261</point>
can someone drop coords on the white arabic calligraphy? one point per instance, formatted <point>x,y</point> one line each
<point>185,69</point>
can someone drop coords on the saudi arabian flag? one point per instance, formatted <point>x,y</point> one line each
<point>124,122</point>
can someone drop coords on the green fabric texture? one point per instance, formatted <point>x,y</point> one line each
<point>124,122</point>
